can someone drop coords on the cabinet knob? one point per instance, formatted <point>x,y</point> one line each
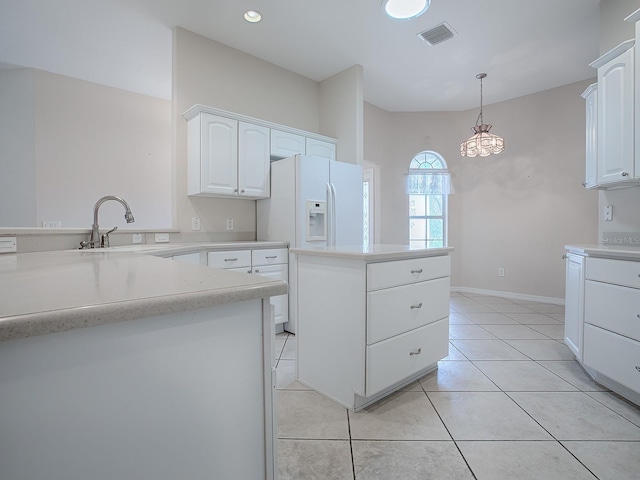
<point>257,271</point>
<point>564,256</point>
<point>416,306</point>
<point>625,174</point>
<point>584,184</point>
<point>417,271</point>
<point>638,368</point>
<point>419,351</point>
<point>242,191</point>
<point>235,190</point>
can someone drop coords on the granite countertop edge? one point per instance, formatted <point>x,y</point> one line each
<point>621,252</point>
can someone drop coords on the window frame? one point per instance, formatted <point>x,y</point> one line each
<point>426,161</point>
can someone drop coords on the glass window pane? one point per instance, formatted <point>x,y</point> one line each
<point>434,205</point>
<point>417,229</point>
<point>435,244</point>
<point>416,205</point>
<point>435,229</point>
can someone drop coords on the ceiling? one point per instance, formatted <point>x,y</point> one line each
<point>524,46</point>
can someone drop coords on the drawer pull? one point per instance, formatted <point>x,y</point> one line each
<point>417,271</point>
<point>419,351</point>
<point>230,259</point>
<point>272,256</point>
<point>420,306</point>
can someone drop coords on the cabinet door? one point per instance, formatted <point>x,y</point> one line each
<point>574,304</point>
<point>218,155</point>
<point>319,148</point>
<point>590,96</point>
<point>285,144</point>
<point>615,119</point>
<point>281,302</point>
<point>253,161</point>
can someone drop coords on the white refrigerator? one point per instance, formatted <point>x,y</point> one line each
<point>314,202</point>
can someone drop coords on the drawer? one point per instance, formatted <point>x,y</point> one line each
<point>269,256</point>
<point>402,272</point>
<point>399,309</point>
<point>612,355</point>
<point>390,361</point>
<point>620,272</point>
<point>613,308</point>
<point>229,259</point>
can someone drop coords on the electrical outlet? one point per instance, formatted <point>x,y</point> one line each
<point>137,238</point>
<point>162,238</point>
<point>195,223</point>
<point>608,213</point>
<point>52,223</point>
<point>229,223</point>
<point>501,272</point>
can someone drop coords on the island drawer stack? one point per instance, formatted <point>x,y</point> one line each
<point>407,318</point>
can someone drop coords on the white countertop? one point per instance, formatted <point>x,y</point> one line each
<point>623,252</point>
<point>377,252</point>
<point>48,292</point>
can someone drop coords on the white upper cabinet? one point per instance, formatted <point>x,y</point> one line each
<point>286,144</point>
<point>319,148</point>
<point>230,154</point>
<point>615,116</point>
<point>590,96</point>
<point>253,161</point>
<point>213,155</point>
<point>227,157</point>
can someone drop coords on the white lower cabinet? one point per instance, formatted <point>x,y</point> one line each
<point>268,262</point>
<point>366,328</point>
<point>603,305</point>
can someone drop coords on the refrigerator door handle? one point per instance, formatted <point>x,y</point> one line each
<point>329,217</point>
<point>333,215</point>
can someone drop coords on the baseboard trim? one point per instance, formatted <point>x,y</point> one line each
<point>515,296</point>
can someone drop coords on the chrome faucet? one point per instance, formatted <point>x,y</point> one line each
<point>94,241</point>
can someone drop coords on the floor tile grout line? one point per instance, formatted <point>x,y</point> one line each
<point>607,406</point>
<point>353,463</point>
<point>448,432</point>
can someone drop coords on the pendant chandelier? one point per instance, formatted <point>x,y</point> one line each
<point>482,143</point>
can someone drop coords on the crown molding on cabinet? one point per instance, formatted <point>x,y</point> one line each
<point>613,53</point>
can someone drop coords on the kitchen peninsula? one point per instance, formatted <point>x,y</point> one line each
<point>371,318</point>
<point>117,365</point>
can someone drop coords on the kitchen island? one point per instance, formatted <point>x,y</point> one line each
<point>121,365</point>
<point>371,318</point>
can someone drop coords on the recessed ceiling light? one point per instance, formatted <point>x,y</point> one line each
<point>405,9</point>
<point>252,16</point>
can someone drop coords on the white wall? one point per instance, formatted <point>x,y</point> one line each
<point>76,141</point>
<point>17,157</point>
<point>341,112</point>
<point>613,31</point>
<point>213,74</point>
<point>515,210</point>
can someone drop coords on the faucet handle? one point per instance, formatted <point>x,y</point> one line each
<point>104,242</point>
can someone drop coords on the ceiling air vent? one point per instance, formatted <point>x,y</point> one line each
<point>437,34</point>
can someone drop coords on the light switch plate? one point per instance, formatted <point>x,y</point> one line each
<point>195,223</point>
<point>229,223</point>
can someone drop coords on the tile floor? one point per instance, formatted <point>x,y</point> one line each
<point>509,402</point>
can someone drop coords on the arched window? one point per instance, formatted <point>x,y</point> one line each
<point>428,186</point>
